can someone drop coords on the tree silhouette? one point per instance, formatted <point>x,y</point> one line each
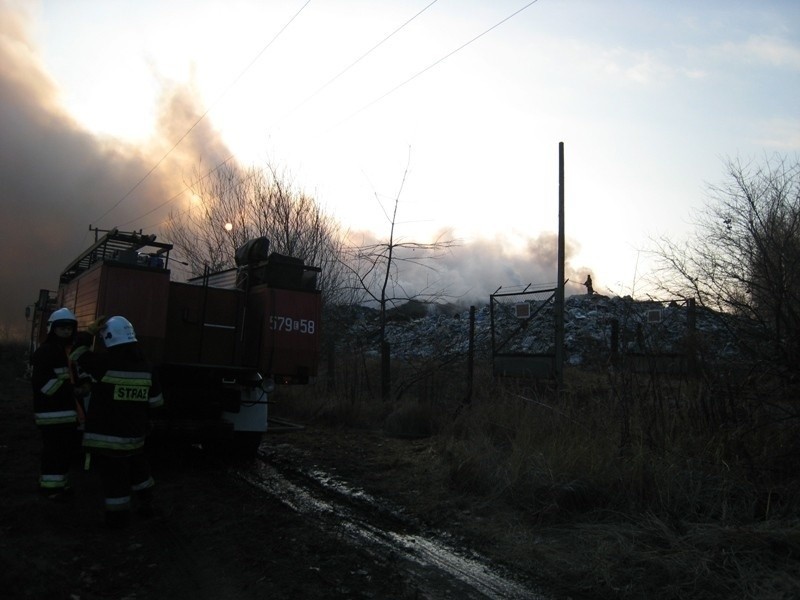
<point>744,258</point>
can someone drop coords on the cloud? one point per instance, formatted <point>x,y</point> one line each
<point>772,51</point>
<point>763,50</point>
<point>630,66</point>
<point>782,135</point>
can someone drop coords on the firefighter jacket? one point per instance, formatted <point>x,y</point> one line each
<point>53,398</point>
<point>124,391</point>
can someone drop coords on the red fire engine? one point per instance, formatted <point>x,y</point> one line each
<point>220,342</point>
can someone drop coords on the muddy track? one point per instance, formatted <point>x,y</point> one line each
<point>434,561</point>
<point>203,580</point>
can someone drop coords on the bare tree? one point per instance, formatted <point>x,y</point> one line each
<point>375,270</point>
<point>231,206</point>
<point>744,259</point>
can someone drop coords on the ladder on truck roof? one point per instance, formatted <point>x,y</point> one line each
<point>115,245</point>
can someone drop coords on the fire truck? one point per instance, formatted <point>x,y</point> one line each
<point>220,342</point>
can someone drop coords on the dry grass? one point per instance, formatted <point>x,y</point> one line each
<point>621,486</point>
<point>618,487</point>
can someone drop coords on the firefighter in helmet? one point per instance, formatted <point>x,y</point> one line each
<point>54,403</point>
<point>124,391</point>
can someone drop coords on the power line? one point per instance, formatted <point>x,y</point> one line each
<point>354,63</point>
<point>298,106</point>
<point>429,67</point>
<point>351,65</point>
<point>203,116</point>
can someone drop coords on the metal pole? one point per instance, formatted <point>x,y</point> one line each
<point>471,355</point>
<point>559,302</point>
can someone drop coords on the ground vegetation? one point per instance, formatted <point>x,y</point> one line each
<point>542,483</point>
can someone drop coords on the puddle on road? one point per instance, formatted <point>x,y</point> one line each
<point>427,553</point>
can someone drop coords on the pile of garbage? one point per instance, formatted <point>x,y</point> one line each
<point>594,327</point>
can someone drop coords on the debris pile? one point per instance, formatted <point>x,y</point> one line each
<point>594,325</point>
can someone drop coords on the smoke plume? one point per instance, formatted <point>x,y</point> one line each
<point>57,179</point>
<point>467,273</point>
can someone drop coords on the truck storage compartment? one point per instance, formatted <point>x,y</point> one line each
<point>203,325</point>
<point>113,288</point>
<point>277,271</point>
<point>285,333</point>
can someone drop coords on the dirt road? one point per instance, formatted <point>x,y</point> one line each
<point>320,514</point>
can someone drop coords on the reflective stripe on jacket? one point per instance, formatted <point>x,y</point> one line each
<point>125,388</point>
<point>56,417</point>
<point>112,442</point>
<point>53,399</point>
<point>53,385</point>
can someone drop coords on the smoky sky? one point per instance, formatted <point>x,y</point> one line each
<point>468,272</point>
<point>57,180</point>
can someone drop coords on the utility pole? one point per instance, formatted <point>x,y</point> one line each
<point>559,301</point>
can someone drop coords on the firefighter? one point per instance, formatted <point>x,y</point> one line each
<point>588,284</point>
<point>54,403</point>
<point>124,391</point>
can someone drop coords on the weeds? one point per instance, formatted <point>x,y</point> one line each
<point>626,485</point>
<point>13,359</point>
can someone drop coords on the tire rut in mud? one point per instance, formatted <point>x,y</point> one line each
<point>433,561</point>
<point>202,579</point>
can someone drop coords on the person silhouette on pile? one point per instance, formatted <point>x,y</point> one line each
<point>588,284</point>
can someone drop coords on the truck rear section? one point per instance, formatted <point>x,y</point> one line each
<point>219,342</point>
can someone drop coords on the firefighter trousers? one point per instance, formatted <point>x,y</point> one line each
<point>59,444</point>
<point>122,477</point>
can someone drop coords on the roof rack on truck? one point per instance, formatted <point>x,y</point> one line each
<point>120,246</point>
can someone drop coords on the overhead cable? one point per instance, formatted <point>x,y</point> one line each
<point>203,116</point>
<point>355,62</point>
<point>351,65</point>
<point>429,67</point>
<point>301,104</point>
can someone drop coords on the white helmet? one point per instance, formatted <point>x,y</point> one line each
<point>62,316</point>
<point>116,331</point>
